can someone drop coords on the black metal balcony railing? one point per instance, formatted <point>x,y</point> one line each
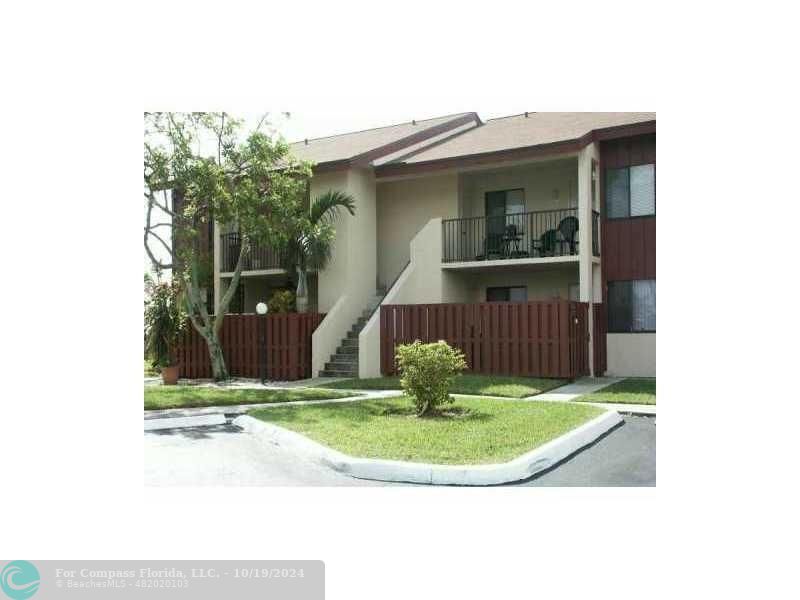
<point>260,257</point>
<point>534,234</point>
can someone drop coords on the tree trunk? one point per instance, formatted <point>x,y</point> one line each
<point>210,326</point>
<point>425,408</point>
<point>218,368</point>
<point>301,297</point>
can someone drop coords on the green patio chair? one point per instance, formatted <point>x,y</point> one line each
<point>546,244</point>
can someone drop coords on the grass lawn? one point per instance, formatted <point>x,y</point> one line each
<point>473,430</point>
<point>627,391</point>
<point>479,385</point>
<point>186,396</point>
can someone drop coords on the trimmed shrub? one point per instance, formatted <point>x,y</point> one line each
<point>427,372</point>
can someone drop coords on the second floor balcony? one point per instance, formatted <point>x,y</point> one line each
<point>536,234</point>
<point>260,258</point>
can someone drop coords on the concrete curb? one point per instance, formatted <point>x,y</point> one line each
<point>523,467</point>
<point>178,422</point>
<point>639,410</point>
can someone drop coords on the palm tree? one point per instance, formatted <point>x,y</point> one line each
<point>311,240</point>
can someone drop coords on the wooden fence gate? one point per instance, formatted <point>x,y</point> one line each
<point>534,339</point>
<point>284,340</point>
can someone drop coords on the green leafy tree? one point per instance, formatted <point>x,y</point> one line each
<point>309,243</point>
<point>250,182</point>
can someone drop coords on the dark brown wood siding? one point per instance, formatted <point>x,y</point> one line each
<point>628,245</point>
<point>629,249</point>
<point>627,152</point>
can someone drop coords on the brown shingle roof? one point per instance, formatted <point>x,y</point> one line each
<point>519,131</point>
<point>376,142</point>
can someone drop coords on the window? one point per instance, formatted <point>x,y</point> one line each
<point>507,294</point>
<point>505,202</point>
<point>501,207</point>
<point>631,192</point>
<point>632,306</point>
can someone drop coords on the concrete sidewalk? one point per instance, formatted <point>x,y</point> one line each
<point>585,385</point>
<point>240,409</point>
<point>243,383</point>
<point>589,385</point>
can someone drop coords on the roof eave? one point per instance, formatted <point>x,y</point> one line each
<point>521,153</point>
<point>365,159</point>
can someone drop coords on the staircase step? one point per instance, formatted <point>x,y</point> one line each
<point>338,373</point>
<point>344,362</point>
<point>350,370</point>
<point>343,359</point>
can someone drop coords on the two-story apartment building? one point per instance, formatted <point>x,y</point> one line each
<point>528,207</point>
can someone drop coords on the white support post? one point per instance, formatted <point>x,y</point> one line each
<point>585,271</point>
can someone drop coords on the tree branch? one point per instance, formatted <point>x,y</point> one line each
<point>228,296</point>
<point>158,237</point>
<point>151,199</point>
<point>147,233</point>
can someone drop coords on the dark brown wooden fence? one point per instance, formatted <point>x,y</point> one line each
<point>599,339</point>
<point>535,339</point>
<point>286,342</point>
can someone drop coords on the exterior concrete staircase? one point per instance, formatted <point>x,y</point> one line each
<point>345,362</point>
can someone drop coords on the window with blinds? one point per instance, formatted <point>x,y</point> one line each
<point>631,192</point>
<point>507,294</point>
<point>632,306</point>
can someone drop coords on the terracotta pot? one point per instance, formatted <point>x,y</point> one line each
<point>169,375</point>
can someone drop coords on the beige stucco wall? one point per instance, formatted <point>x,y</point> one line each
<point>544,284</point>
<point>631,354</point>
<point>403,209</point>
<point>424,281</point>
<point>548,185</point>
<point>347,284</point>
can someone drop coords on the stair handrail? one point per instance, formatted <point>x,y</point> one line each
<point>389,289</point>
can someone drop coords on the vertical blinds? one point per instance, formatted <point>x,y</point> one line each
<point>632,306</point>
<point>631,191</point>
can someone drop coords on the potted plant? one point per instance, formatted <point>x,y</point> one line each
<point>164,322</point>
<point>281,301</point>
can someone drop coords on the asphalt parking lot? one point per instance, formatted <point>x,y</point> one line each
<point>226,455</point>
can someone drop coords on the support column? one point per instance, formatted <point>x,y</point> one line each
<point>585,271</point>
